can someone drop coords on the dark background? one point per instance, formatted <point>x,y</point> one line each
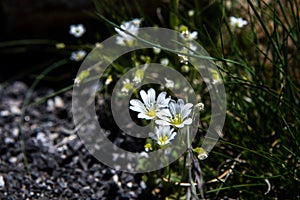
<point>31,28</point>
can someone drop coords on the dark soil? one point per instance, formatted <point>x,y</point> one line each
<point>42,158</point>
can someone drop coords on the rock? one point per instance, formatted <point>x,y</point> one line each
<point>58,102</point>
<point>59,165</point>
<point>13,160</point>
<point>4,113</point>
<point>2,183</point>
<point>129,184</point>
<point>15,110</point>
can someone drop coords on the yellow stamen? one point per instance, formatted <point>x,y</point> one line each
<point>176,120</point>
<point>151,113</point>
<point>162,140</point>
<point>148,147</point>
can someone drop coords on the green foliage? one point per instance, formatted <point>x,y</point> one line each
<point>258,156</point>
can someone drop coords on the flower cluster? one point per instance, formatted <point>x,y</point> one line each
<point>167,114</point>
<point>189,47</point>
<point>129,85</point>
<point>77,31</point>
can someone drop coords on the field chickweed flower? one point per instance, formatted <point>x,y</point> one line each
<point>200,106</point>
<point>149,108</point>
<point>187,35</point>
<point>156,50</point>
<point>164,61</point>
<point>191,13</point>
<point>127,86</point>
<point>176,115</point>
<point>168,115</point>
<point>169,83</point>
<point>108,80</point>
<point>139,75</point>
<point>77,30</point>
<point>78,55</point>
<point>190,48</point>
<point>163,135</point>
<point>237,22</point>
<point>132,27</point>
<point>202,154</point>
<point>148,147</point>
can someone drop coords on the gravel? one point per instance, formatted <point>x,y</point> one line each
<point>42,158</point>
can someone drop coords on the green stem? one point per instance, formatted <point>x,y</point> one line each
<point>190,154</point>
<point>173,13</point>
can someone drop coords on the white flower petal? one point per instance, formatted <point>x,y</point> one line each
<point>137,109</point>
<point>120,41</point>
<point>162,122</point>
<point>172,108</point>
<point>188,121</point>
<point>165,113</point>
<point>144,97</point>
<point>151,96</point>
<point>137,105</point>
<point>162,101</point>
<point>172,136</point>
<point>193,35</point>
<point>185,113</point>
<point>144,116</point>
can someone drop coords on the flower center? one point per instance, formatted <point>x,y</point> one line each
<point>163,139</point>
<point>177,120</point>
<point>151,113</point>
<point>127,86</point>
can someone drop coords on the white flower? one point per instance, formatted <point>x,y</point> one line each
<point>108,80</point>
<point>185,68</point>
<point>191,13</point>
<point>169,83</point>
<point>156,50</point>
<point>127,86</point>
<point>163,135</point>
<point>139,75</point>
<point>164,61</point>
<point>148,147</point>
<point>200,106</point>
<point>183,59</point>
<point>202,154</point>
<point>188,36</point>
<point>237,22</point>
<point>132,27</point>
<point>215,76</point>
<point>190,48</point>
<point>78,55</point>
<point>144,154</point>
<point>176,115</point>
<point>83,75</point>
<point>98,45</point>
<point>77,30</point>
<point>150,107</point>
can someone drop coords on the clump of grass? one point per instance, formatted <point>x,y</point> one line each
<point>257,156</point>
